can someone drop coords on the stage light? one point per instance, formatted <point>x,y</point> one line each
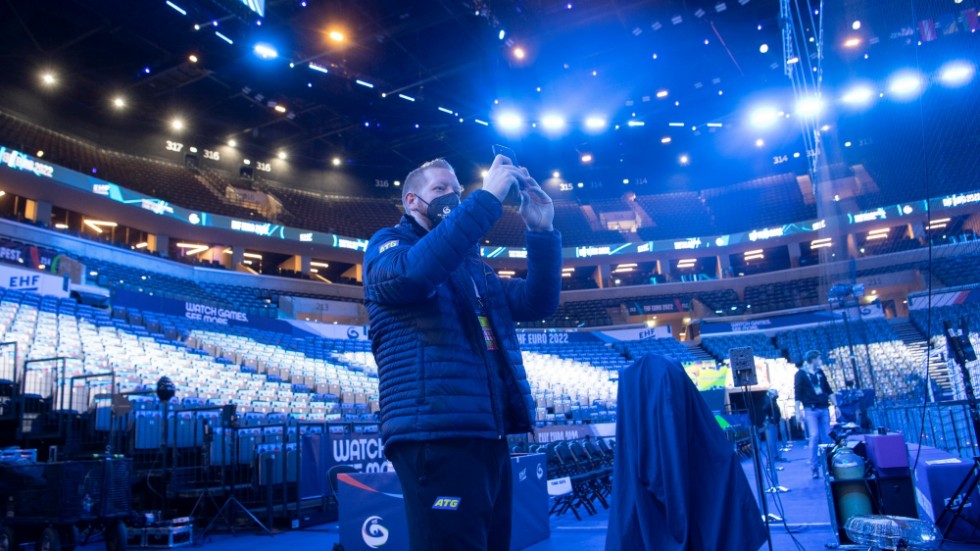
<point>553,122</point>
<point>809,107</point>
<point>97,225</point>
<point>282,155</point>
<point>232,143</point>
<point>852,42</point>
<point>335,161</point>
<point>519,52</point>
<point>556,174</point>
<point>40,153</point>
<point>662,93</point>
<point>265,51</point>
<point>483,173</point>
<point>481,122</point>
<point>906,85</point>
<point>280,108</point>
<point>364,83</point>
<point>406,98</point>
<point>336,36</point>
<point>192,58</point>
<point>223,37</point>
<point>49,79</point>
<point>595,123</point>
<point>684,160</point>
<point>510,121</point>
<point>858,95</point>
<point>856,25</point>
<point>665,140</point>
<point>501,34</point>
<point>119,102</point>
<point>636,123</point>
<point>586,158</point>
<point>177,8</point>
<point>764,49</point>
<point>759,143</point>
<point>764,117</point>
<point>318,68</point>
<point>177,124</point>
<point>956,73</point>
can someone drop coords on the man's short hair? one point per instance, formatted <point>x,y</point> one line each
<point>416,178</point>
<point>811,355</point>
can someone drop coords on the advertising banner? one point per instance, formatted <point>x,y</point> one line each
<point>20,279</point>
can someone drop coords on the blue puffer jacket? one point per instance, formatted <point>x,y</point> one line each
<point>435,372</point>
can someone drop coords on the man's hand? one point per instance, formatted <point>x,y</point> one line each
<point>537,209</point>
<point>501,177</point>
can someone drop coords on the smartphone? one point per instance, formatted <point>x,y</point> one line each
<point>506,152</point>
<point>509,153</point>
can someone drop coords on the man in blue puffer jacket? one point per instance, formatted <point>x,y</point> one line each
<point>452,384</point>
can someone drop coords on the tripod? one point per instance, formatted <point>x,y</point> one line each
<point>961,350</point>
<point>742,361</point>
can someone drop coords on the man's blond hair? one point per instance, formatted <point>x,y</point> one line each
<point>416,178</point>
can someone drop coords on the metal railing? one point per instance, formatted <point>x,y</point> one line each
<point>943,425</point>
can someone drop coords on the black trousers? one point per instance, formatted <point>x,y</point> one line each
<point>457,493</point>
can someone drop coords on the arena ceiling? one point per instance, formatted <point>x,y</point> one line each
<point>406,81</point>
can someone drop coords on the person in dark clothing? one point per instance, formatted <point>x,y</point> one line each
<point>772,418</point>
<point>451,380</point>
<point>813,398</point>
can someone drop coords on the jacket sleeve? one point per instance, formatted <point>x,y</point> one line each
<point>825,384</point>
<point>536,297</point>
<point>402,272</point>
<point>798,391</point>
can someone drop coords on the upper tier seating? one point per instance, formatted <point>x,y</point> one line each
<point>173,183</point>
<point>769,201</point>
<point>675,215</point>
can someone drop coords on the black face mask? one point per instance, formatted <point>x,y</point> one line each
<point>440,207</point>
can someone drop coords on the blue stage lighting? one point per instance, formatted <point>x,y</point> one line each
<point>809,107</point>
<point>510,121</point>
<point>905,85</point>
<point>858,95</point>
<point>595,123</point>
<point>764,117</point>
<point>265,51</point>
<point>180,10</point>
<point>553,122</point>
<point>956,73</point>
<point>223,37</point>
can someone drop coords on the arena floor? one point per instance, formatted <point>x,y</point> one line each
<point>805,506</point>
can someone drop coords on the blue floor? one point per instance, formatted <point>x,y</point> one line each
<point>804,508</point>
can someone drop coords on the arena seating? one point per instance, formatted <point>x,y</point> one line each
<point>776,200</point>
<point>957,270</point>
<point>169,182</point>
<point>634,350</point>
<point>762,345</point>
<point>675,215</point>
<point>875,344</point>
<point>348,216</point>
<point>782,295</point>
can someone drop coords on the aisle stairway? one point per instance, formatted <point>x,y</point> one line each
<point>699,353</point>
<point>918,347</point>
